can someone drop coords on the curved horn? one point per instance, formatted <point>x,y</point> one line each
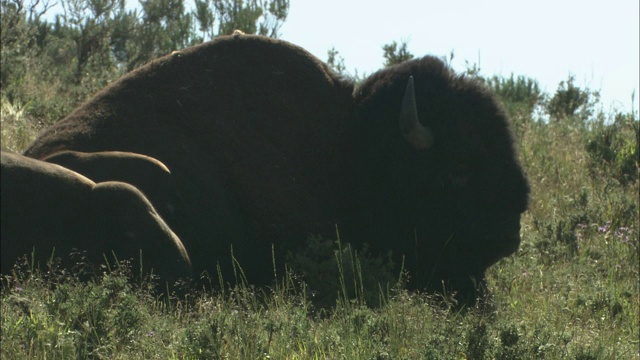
<point>419,136</point>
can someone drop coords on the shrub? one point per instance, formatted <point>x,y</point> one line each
<point>570,100</point>
<point>614,148</point>
<point>334,271</point>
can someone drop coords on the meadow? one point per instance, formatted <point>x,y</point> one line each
<point>571,291</point>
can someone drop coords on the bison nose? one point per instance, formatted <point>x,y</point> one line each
<point>505,245</point>
<point>512,240</point>
<point>507,236</point>
<point>511,236</point>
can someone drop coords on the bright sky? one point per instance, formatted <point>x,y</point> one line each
<point>594,40</point>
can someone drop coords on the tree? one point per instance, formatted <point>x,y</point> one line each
<point>335,61</point>
<point>570,100</point>
<point>517,90</point>
<point>19,30</point>
<point>205,17</point>
<point>274,17</point>
<point>394,54</point>
<point>222,17</point>
<point>264,17</point>
<point>165,27</point>
<point>90,21</point>
<point>124,26</point>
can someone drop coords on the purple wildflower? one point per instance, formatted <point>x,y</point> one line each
<point>604,228</point>
<point>623,233</point>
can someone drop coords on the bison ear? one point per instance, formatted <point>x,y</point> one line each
<point>417,135</point>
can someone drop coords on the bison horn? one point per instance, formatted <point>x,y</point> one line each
<point>419,136</point>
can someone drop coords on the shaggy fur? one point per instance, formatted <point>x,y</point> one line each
<point>46,206</point>
<point>267,145</point>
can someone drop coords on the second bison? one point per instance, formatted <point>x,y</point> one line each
<point>47,208</point>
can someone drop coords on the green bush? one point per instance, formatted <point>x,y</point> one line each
<point>333,271</point>
<point>614,148</point>
<point>570,100</point>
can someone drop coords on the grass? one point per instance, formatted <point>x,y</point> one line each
<point>571,291</point>
<point>17,131</point>
<point>554,312</point>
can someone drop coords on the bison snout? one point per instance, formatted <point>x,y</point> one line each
<point>511,236</point>
<point>503,244</point>
<point>512,241</point>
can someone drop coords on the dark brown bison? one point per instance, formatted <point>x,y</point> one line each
<point>145,173</point>
<point>46,206</point>
<point>266,145</point>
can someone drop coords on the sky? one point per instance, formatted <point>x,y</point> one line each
<point>595,41</point>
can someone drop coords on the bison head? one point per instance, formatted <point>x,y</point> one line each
<point>440,183</point>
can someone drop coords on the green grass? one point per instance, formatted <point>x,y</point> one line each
<point>571,291</point>
<point>565,310</point>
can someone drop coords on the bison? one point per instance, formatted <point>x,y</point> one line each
<point>267,145</point>
<point>147,174</point>
<point>47,207</point>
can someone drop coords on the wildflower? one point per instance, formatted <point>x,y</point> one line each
<point>604,228</point>
<point>623,233</point>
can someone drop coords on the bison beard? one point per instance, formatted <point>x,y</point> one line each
<point>267,145</point>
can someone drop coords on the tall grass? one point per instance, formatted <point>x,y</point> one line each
<point>17,131</point>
